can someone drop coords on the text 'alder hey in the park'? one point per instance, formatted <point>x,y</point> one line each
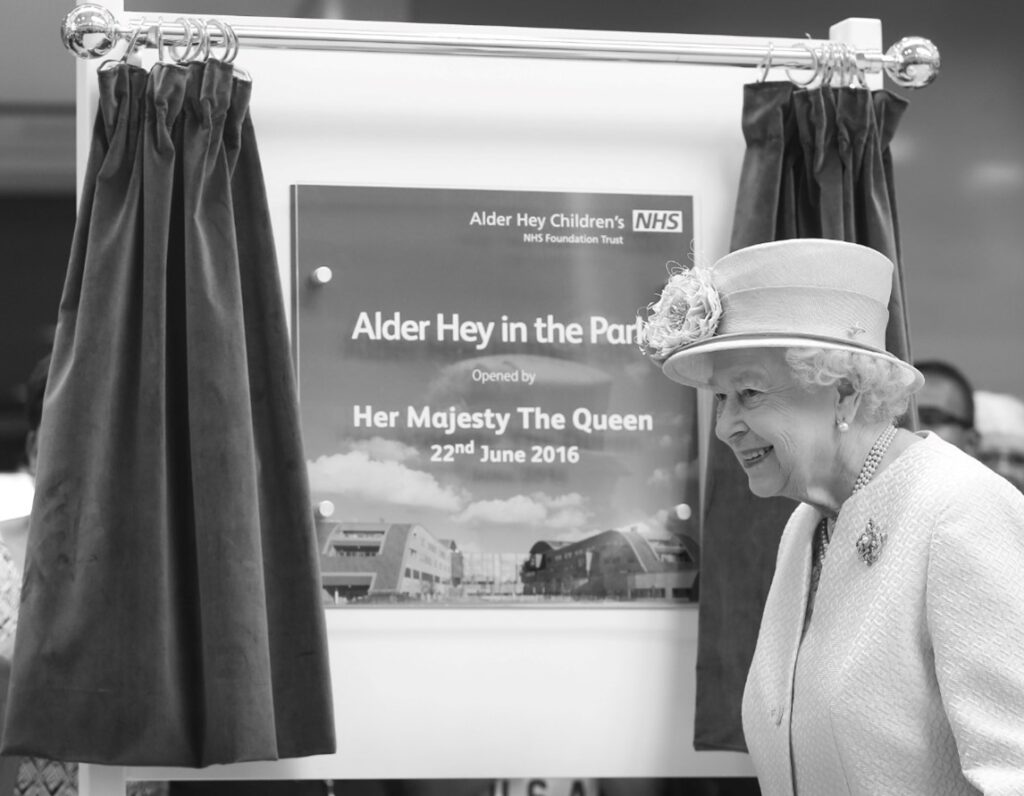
<point>452,328</point>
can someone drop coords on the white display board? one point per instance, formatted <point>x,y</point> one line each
<point>452,693</point>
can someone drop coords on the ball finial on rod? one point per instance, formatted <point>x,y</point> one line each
<point>89,30</point>
<point>912,62</point>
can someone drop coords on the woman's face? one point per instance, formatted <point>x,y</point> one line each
<point>783,434</point>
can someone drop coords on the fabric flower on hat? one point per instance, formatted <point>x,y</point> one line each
<point>688,311</point>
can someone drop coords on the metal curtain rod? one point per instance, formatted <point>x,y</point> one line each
<point>92,31</point>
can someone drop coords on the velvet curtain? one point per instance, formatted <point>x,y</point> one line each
<point>817,165</point>
<point>171,610</point>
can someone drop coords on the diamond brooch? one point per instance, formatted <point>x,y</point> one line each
<point>869,545</point>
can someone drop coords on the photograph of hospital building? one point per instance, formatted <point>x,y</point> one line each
<point>364,563</point>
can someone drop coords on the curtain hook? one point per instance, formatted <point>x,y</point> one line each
<point>230,50</point>
<point>846,66</point>
<point>854,67</point>
<point>198,40</point>
<point>187,40</point>
<point>235,45</point>
<point>229,39</point>
<point>815,67</point>
<point>830,68</point>
<point>158,37</point>
<point>843,65</point>
<point>766,62</point>
<point>239,71</point>
<point>218,25</point>
<point>130,47</point>
<point>858,69</point>
<point>838,75</point>
<point>133,44</point>
<point>204,41</point>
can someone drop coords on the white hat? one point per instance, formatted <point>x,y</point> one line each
<point>999,419</point>
<point>790,293</point>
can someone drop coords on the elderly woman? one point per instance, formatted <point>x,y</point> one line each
<point>890,658</point>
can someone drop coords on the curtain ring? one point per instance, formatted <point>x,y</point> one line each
<point>815,67</point>
<point>133,44</point>
<point>235,45</point>
<point>130,47</point>
<point>845,67</point>
<point>216,23</point>
<point>766,63</point>
<point>196,44</point>
<point>827,64</point>
<point>202,40</point>
<point>835,65</point>
<point>849,69</point>
<point>838,63</point>
<point>188,40</point>
<point>241,73</point>
<point>857,69</point>
<point>228,40</point>
<point>158,37</point>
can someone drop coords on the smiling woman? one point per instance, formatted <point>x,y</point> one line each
<point>904,548</point>
<point>782,412</point>
<point>779,430</point>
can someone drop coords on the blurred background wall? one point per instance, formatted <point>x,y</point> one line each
<point>958,155</point>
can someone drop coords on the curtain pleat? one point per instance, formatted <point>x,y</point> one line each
<point>171,610</point>
<point>817,165</point>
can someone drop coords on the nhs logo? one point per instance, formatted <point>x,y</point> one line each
<point>658,221</point>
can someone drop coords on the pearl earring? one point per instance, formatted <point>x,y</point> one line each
<point>843,426</point>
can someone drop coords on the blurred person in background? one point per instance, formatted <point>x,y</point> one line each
<point>945,404</point>
<point>1000,423</point>
<point>25,775</point>
<point>14,526</point>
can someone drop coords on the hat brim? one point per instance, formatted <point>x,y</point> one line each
<point>694,364</point>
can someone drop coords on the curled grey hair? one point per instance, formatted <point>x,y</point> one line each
<point>885,388</point>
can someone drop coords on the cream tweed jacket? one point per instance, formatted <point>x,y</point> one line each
<point>910,678</point>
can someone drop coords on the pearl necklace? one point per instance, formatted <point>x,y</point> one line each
<point>867,472</point>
